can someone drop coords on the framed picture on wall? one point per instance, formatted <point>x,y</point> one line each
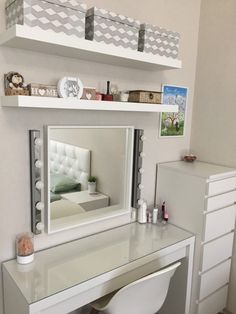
<point>173,124</point>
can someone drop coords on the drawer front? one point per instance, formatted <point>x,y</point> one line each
<point>222,186</point>
<point>219,201</point>
<point>219,223</point>
<point>214,279</point>
<point>214,303</point>
<point>217,251</point>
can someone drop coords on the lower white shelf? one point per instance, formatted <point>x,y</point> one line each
<point>71,103</point>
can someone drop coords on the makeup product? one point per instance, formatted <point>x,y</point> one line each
<point>149,216</point>
<point>166,216</point>
<point>154,215</point>
<point>163,209</point>
<point>142,213</point>
<point>108,96</point>
<point>98,96</point>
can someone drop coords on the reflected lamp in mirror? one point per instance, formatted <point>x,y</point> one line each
<point>74,156</point>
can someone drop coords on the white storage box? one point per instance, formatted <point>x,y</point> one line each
<point>157,40</point>
<point>111,28</point>
<point>61,16</point>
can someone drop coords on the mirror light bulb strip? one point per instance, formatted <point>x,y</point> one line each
<point>137,187</point>
<point>36,166</point>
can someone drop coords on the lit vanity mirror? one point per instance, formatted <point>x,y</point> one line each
<point>89,175</point>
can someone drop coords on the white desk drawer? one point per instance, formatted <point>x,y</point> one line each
<point>219,201</point>
<point>214,279</point>
<point>222,186</point>
<point>219,223</point>
<point>217,251</point>
<point>214,303</point>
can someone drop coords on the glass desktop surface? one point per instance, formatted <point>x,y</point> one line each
<point>65,266</point>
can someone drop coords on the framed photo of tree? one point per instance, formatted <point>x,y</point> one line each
<point>173,124</point>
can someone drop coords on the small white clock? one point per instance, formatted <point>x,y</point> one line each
<point>70,87</point>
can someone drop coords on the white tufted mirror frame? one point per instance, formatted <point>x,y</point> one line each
<point>100,222</point>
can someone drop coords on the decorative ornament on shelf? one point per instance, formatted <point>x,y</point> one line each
<point>14,84</point>
<point>89,93</point>
<point>43,90</point>
<point>70,87</point>
<point>190,158</point>
<point>25,248</point>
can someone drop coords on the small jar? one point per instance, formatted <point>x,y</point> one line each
<point>25,248</point>
<point>124,96</point>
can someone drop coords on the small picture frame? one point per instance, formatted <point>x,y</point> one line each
<point>172,124</point>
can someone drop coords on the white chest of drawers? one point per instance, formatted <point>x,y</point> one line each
<point>201,197</point>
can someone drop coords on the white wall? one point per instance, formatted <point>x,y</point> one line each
<point>182,16</point>
<point>214,119</point>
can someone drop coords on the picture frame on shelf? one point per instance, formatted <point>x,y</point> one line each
<point>173,124</point>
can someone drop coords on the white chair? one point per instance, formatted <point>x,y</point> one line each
<point>144,296</point>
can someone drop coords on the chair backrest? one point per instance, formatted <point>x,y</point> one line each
<point>144,296</point>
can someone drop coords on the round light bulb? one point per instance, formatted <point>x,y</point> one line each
<point>141,170</point>
<point>38,164</point>
<point>39,185</point>
<point>140,186</point>
<point>39,206</point>
<point>140,202</point>
<point>38,141</point>
<point>40,226</point>
<point>143,138</point>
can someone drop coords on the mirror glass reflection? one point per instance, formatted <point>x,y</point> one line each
<point>89,174</point>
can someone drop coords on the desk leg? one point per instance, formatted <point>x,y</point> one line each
<point>190,254</point>
<point>178,299</point>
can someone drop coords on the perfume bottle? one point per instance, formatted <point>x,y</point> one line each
<point>108,96</point>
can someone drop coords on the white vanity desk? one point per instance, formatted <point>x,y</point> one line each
<point>71,275</point>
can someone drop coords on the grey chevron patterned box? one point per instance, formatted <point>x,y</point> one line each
<point>61,16</point>
<point>157,40</point>
<point>111,28</point>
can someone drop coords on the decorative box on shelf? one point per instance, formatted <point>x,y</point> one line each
<point>111,28</point>
<point>158,41</point>
<point>148,97</point>
<point>58,15</point>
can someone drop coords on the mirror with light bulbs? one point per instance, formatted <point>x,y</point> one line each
<point>110,157</point>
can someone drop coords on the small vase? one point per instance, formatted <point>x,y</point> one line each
<point>92,187</point>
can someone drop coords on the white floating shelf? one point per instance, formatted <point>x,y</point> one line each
<point>71,103</point>
<point>36,39</point>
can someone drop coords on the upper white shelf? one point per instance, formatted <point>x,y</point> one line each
<point>71,103</point>
<point>35,39</point>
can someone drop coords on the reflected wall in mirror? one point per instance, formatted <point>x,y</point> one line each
<point>75,154</point>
